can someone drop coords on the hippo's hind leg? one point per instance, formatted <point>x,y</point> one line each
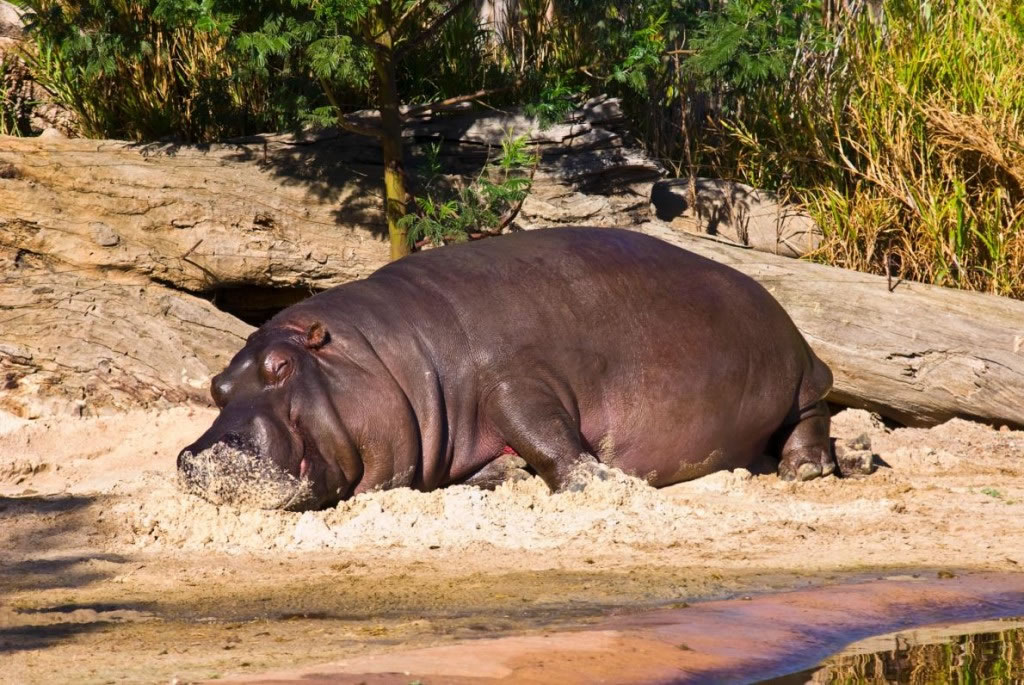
<point>541,430</point>
<point>806,452</point>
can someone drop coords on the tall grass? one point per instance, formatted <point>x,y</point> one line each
<point>910,150</point>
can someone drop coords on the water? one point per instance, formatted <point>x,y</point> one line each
<point>966,653</point>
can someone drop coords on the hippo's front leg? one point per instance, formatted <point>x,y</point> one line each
<point>541,430</point>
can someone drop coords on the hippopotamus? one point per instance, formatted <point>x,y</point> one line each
<point>567,348</point>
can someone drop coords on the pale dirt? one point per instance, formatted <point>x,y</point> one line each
<point>108,573</point>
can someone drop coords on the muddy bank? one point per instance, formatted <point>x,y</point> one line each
<point>110,573</point>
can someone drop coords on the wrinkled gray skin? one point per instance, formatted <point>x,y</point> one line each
<point>569,345</point>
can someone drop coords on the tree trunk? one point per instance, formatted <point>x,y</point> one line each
<point>918,354</point>
<point>396,200</point>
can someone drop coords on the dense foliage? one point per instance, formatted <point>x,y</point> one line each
<point>896,122</point>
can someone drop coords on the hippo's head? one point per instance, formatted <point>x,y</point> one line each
<point>275,444</point>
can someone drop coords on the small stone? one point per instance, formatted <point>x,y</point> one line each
<point>104,235</point>
<point>263,220</point>
<point>852,461</point>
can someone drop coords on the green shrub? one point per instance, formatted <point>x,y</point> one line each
<point>14,107</point>
<point>485,206</point>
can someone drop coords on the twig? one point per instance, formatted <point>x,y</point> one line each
<point>420,109</point>
<point>343,121</point>
<point>888,272</point>
<point>417,6</point>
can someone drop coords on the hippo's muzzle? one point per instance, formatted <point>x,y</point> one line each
<point>239,466</point>
<point>224,474</point>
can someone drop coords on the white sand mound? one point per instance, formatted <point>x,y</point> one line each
<point>520,515</point>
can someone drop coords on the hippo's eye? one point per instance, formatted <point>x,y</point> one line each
<point>277,366</point>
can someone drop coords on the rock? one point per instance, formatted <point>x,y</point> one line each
<point>736,213</point>
<point>11,26</point>
<point>861,442</point>
<point>51,132</point>
<point>103,235</point>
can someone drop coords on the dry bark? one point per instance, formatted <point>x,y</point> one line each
<point>74,344</point>
<point>918,354</point>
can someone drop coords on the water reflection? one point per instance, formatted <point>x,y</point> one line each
<point>980,652</point>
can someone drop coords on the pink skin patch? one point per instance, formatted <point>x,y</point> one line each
<point>508,450</point>
<point>303,468</point>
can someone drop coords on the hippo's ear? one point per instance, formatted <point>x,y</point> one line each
<point>317,336</point>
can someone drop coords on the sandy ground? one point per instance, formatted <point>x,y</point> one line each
<point>109,574</point>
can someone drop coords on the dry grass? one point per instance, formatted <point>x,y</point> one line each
<point>909,149</point>
<point>932,146</point>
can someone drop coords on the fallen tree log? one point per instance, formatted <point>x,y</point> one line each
<point>99,238</point>
<point>918,354</point>
<point>79,345</point>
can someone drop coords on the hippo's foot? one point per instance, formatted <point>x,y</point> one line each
<point>584,472</point>
<point>806,452</point>
<point>507,468</point>
<point>807,466</point>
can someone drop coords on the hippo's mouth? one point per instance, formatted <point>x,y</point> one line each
<point>225,474</point>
